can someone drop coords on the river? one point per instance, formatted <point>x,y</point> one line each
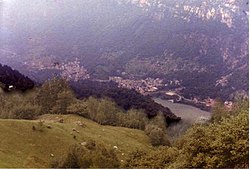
<point>186,112</point>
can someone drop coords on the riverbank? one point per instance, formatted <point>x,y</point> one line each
<point>176,98</point>
<point>186,112</point>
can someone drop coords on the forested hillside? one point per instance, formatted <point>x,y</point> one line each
<point>125,98</point>
<point>11,79</point>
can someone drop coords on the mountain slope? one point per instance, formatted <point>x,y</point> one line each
<point>23,147</point>
<point>135,39</point>
<point>12,79</point>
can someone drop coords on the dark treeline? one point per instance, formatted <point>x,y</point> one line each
<point>125,98</point>
<point>13,79</point>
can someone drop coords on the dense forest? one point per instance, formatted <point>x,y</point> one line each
<point>12,79</point>
<point>124,98</point>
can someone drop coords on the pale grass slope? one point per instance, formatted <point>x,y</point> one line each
<point>21,146</point>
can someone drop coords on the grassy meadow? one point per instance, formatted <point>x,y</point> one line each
<point>23,147</point>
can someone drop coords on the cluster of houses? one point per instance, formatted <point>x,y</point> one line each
<point>172,96</point>
<point>211,103</point>
<point>73,71</point>
<point>70,71</point>
<point>142,86</point>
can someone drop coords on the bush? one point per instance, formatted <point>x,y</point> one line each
<point>64,99</point>
<point>157,131</point>
<point>92,155</point>
<point>134,119</point>
<point>26,111</point>
<point>52,95</point>
<point>159,158</point>
<point>157,135</point>
<point>78,107</point>
<point>218,112</point>
<point>217,145</point>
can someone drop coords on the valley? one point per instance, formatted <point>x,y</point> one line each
<point>199,49</point>
<point>124,84</point>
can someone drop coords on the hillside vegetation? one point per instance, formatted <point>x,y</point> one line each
<point>221,143</point>
<point>22,147</point>
<point>50,127</point>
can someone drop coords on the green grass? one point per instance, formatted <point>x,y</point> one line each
<point>22,147</point>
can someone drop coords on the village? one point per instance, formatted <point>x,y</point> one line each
<point>142,86</point>
<point>150,86</point>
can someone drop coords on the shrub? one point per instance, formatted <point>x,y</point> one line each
<point>64,99</point>
<point>26,111</point>
<point>218,112</point>
<point>78,107</point>
<point>53,93</point>
<point>217,145</point>
<point>162,157</point>
<point>157,131</point>
<point>157,135</point>
<point>135,119</point>
<point>91,155</point>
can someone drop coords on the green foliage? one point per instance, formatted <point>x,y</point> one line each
<point>106,112</point>
<point>26,111</point>
<point>219,112</point>
<point>157,135</point>
<point>52,94</point>
<point>18,106</point>
<point>217,145</point>
<point>78,107</point>
<point>92,107</point>
<point>64,99</point>
<point>56,97</point>
<point>102,111</point>
<point>157,131</point>
<point>159,158</point>
<point>223,144</point>
<point>91,155</point>
<point>133,119</point>
<point>175,131</point>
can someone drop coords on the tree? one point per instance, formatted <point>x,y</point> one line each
<point>92,155</point>
<point>217,145</point>
<point>78,107</point>
<point>26,111</point>
<point>64,99</point>
<point>49,92</point>
<point>92,107</point>
<point>107,112</point>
